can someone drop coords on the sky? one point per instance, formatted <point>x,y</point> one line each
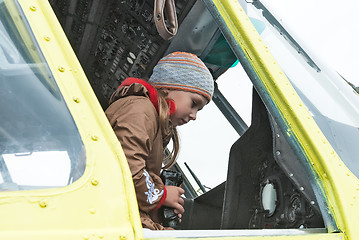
<point>326,28</point>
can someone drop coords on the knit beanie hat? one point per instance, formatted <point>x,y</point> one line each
<point>183,71</point>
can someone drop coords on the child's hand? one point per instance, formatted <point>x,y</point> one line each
<point>174,199</point>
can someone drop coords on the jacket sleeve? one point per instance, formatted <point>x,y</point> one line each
<point>136,129</point>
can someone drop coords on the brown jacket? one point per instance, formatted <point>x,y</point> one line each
<point>133,116</point>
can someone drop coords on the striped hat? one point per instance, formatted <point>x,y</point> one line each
<point>183,71</point>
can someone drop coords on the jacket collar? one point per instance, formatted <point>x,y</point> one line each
<point>152,93</point>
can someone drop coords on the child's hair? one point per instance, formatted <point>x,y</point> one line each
<point>167,129</point>
<point>179,71</point>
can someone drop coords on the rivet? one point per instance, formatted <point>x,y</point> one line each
<point>277,153</point>
<point>95,181</point>
<point>33,8</point>
<point>92,210</point>
<point>47,38</point>
<point>76,99</point>
<point>43,203</point>
<point>291,175</point>
<point>94,137</point>
<point>312,202</point>
<point>61,69</point>
<point>301,188</point>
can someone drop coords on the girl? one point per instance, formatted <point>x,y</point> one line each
<point>144,116</point>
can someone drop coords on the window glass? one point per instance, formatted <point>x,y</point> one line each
<point>40,145</point>
<point>332,102</point>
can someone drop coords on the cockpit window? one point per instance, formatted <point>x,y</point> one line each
<point>334,103</point>
<point>40,146</point>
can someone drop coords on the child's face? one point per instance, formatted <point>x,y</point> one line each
<point>187,106</point>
